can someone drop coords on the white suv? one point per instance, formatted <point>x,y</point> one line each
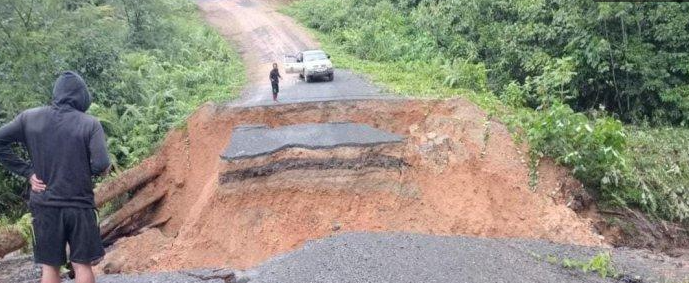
<point>310,64</point>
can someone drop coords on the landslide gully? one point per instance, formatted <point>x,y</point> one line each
<point>456,173</point>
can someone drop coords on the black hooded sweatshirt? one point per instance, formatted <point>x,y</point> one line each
<point>66,146</point>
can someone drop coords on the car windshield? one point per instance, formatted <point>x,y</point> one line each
<point>315,57</point>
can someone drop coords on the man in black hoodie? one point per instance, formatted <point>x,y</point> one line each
<point>66,148</point>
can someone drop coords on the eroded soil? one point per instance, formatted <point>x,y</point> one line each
<point>460,178</point>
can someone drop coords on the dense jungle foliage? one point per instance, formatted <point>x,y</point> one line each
<point>569,74</point>
<point>148,64</point>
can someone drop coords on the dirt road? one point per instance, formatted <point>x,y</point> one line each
<point>260,33</point>
<point>263,36</point>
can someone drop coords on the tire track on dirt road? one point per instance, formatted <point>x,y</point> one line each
<point>258,31</point>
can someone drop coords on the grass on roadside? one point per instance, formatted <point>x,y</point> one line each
<point>600,264</point>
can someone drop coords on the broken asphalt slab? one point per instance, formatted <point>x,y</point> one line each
<point>256,140</point>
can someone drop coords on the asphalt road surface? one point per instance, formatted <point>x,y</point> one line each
<point>256,140</point>
<point>346,86</point>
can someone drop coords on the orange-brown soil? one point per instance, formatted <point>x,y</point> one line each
<point>460,177</point>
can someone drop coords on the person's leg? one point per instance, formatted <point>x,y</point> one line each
<point>84,273</point>
<point>49,241</point>
<point>85,245</point>
<point>50,274</point>
<point>276,89</point>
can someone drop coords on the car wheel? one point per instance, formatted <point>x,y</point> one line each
<point>301,76</point>
<point>331,77</point>
<point>309,79</point>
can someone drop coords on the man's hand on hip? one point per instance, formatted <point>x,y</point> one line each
<point>37,185</point>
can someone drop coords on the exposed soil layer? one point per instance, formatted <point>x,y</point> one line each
<point>311,164</point>
<point>630,228</point>
<point>452,175</point>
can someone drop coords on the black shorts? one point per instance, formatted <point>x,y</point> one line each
<point>56,227</point>
<point>276,88</point>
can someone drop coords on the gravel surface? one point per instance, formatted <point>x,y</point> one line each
<point>19,270</point>
<point>196,276</point>
<point>346,86</point>
<point>252,141</point>
<point>398,257</point>
<point>365,257</point>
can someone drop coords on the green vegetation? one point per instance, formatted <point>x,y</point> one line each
<point>23,225</point>
<point>601,264</point>
<point>149,64</point>
<point>661,163</point>
<point>567,73</point>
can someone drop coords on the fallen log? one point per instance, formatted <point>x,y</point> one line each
<point>10,240</point>
<point>131,179</point>
<point>137,177</point>
<point>156,224</point>
<point>142,201</point>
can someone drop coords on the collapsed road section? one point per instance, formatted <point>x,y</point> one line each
<point>252,141</point>
<point>438,167</point>
<point>330,156</point>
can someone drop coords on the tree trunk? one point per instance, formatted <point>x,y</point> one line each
<point>10,240</point>
<point>148,170</point>
<point>131,179</point>
<point>135,205</point>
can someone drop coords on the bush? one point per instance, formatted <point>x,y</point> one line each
<point>595,149</point>
<point>660,171</point>
<point>535,67</point>
<point>149,64</point>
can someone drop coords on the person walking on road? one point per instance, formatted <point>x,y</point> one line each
<point>275,81</point>
<point>66,148</point>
